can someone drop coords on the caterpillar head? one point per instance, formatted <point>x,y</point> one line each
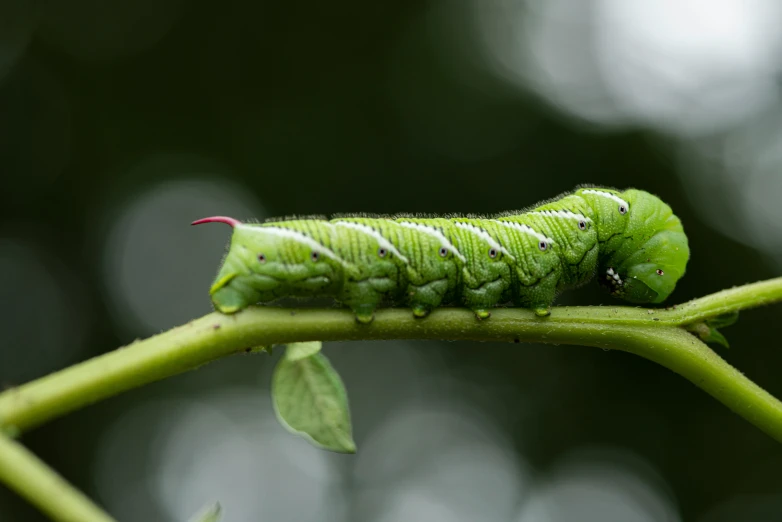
<point>643,248</point>
<point>265,263</point>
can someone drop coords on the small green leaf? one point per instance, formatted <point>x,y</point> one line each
<point>714,336</point>
<point>708,334</point>
<point>708,330</point>
<point>310,400</point>
<point>211,513</point>
<point>721,321</point>
<point>298,351</point>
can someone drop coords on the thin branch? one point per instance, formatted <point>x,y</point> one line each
<point>731,300</point>
<point>655,334</point>
<point>31,478</point>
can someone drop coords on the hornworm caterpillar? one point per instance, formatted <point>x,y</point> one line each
<point>631,239</point>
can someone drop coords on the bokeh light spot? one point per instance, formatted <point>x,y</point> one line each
<point>157,268</point>
<point>666,73</point>
<point>609,485</point>
<point>544,46</point>
<point>684,67</point>
<point>733,180</point>
<point>449,455</point>
<point>226,447</point>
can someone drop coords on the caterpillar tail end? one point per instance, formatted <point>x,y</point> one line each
<point>218,219</point>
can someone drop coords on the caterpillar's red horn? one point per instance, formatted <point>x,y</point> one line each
<point>218,219</point>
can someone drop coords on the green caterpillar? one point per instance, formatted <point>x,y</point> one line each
<point>631,239</point>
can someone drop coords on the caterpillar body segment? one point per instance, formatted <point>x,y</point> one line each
<point>631,239</point>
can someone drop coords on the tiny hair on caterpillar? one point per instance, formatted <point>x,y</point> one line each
<point>630,239</point>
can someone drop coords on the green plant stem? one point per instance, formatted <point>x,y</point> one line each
<point>659,335</point>
<point>731,300</point>
<point>43,487</point>
<point>655,334</point>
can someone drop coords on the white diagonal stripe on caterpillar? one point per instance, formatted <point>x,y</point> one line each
<point>383,242</point>
<point>521,227</point>
<point>301,238</point>
<point>426,229</point>
<point>483,235</point>
<point>609,196</point>
<point>561,214</point>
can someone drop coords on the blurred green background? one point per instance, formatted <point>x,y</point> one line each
<point>121,122</point>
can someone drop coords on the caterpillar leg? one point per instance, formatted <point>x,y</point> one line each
<point>538,297</point>
<point>481,313</point>
<point>422,299</point>
<point>542,311</point>
<point>420,311</point>
<point>364,296</point>
<point>480,300</point>
<point>363,307</point>
<point>365,313</point>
